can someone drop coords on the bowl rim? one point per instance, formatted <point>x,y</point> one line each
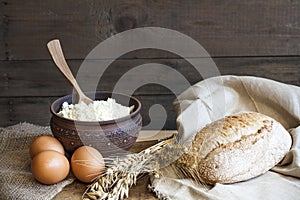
<point>113,121</point>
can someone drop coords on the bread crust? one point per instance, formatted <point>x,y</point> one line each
<point>236,148</point>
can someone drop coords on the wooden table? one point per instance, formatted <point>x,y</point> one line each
<point>140,190</point>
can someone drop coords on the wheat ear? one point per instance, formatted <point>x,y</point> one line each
<point>115,183</point>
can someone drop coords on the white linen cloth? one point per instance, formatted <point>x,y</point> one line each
<point>216,97</point>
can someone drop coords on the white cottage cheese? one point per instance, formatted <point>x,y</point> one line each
<point>97,111</point>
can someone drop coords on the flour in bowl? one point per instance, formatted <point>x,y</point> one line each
<point>99,110</point>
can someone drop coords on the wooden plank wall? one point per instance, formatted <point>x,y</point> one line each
<point>257,38</point>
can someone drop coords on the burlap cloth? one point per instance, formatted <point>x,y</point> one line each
<point>216,97</point>
<point>16,180</point>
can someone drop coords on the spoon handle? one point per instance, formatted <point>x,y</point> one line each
<point>56,52</point>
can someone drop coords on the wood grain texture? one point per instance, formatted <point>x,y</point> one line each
<point>29,87</point>
<point>256,38</point>
<point>245,38</point>
<point>37,110</point>
<point>43,79</point>
<point>34,109</point>
<point>224,28</point>
<point>137,192</point>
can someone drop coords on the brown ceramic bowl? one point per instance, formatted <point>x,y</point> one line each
<point>109,137</point>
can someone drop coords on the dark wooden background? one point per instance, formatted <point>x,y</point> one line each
<point>258,38</point>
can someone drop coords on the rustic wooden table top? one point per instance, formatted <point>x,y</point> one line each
<point>140,190</point>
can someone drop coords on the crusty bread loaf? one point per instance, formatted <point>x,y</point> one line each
<point>236,148</point>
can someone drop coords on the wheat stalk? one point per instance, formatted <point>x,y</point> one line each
<point>115,183</point>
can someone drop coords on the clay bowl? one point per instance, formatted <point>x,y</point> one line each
<point>109,137</point>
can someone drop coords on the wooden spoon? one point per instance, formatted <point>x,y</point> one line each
<point>60,61</point>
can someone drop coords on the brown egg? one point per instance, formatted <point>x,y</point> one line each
<point>49,167</point>
<point>43,143</point>
<point>87,163</point>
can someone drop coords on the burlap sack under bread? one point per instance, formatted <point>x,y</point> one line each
<point>215,98</point>
<point>236,148</point>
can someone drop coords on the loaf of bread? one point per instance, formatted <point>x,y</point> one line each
<point>236,148</point>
